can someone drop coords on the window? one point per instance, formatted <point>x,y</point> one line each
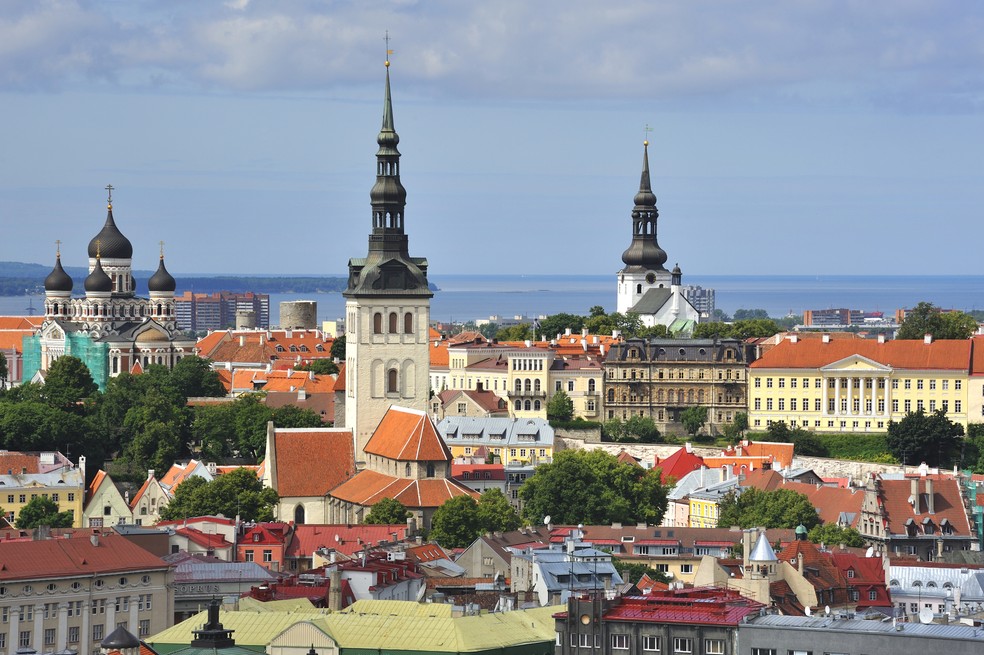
<point>73,635</point>
<point>957,385</point>
<point>620,642</point>
<point>408,323</point>
<point>392,323</point>
<point>99,606</point>
<point>907,384</point>
<point>377,323</point>
<point>683,645</point>
<point>764,651</point>
<point>392,381</point>
<point>686,568</point>
<point>957,406</point>
<point>144,627</point>
<point>872,595</point>
<point>782,383</point>
<point>97,632</point>
<point>768,383</point>
<point>25,639</point>
<point>714,646</point>
<point>758,383</point>
<point>267,555</point>
<point>919,384</point>
<point>49,636</point>
<point>651,643</point>
<point>249,555</point>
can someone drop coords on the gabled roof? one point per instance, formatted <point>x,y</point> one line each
<point>947,504</point>
<point>948,354</point>
<point>312,461</point>
<point>486,401</point>
<point>407,435</point>
<point>204,539</point>
<point>369,487</point>
<point>679,464</point>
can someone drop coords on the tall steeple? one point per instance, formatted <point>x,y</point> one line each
<point>387,304</point>
<point>644,252</point>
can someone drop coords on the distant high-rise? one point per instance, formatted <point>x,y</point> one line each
<point>387,309</point>
<point>217,311</point>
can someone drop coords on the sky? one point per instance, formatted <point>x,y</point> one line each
<point>807,137</point>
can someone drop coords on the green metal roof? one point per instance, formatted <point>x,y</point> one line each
<point>398,608</point>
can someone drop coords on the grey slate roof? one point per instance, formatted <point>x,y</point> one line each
<point>936,630</point>
<point>496,431</point>
<point>652,301</point>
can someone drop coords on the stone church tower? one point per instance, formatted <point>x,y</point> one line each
<point>645,287</point>
<point>387,309</point>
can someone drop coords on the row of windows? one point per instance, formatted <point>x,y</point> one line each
<point>830,424</point>
<point>856,383</point>
<point>72,635</point>
<point>855,405</point>
<point>649,643</point>
<point>74,608</point>
<point>691,374</point>
<point>111,310</point>
<point>22,498</point>
<point>377,323</point>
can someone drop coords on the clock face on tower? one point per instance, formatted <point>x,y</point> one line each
<point>650,277</point>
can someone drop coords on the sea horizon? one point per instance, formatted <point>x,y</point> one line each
<point>472,297</point>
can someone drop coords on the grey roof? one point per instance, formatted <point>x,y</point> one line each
<point>763,551</point>
<point>110,242</point>
<point>120,639</point>
<point>717,490</point>
<point>68,478</point>
<point>934,630</point>
<point>937,581</point>
<point>652,301</point>
<point>194,571</point>
<point>496,431</point>
<point>693,481</point>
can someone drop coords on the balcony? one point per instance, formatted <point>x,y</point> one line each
<point>527,394</point>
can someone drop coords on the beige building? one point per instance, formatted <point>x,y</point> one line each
<point>70,593</point>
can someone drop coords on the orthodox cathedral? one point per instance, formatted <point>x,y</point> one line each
<point>110,328</point>
<point>645,287</point>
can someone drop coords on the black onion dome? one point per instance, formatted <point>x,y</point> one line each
<point>58,279</point>
<point>161,281</point>
<point>110,242</point>
<point>98,280</point>
<point>120,639</point>
<point>644,251</point>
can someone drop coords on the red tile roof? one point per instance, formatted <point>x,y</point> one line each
<point>946,500</point>
<point>204,539</point>
<point>369,487</point>
<point>701,606</point>
<point>350,538</point>
<point>312,461</point>
<point>679,464</point>
<point>407,435</point>
<point>15,463</point>
<point>52,558</point>
<point>977,359</point>
<point>29,323</point>
<point>947,354</point>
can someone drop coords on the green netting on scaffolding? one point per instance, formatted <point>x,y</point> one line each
<point>94,355</point>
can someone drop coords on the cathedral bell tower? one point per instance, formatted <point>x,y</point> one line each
<point>387,308</point>
<point>643,258</point>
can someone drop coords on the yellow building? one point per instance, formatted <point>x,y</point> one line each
<point>830,385</point>
<point>515,443</point>
<point>41,475</point>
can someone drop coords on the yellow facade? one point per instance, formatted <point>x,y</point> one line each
<point>704,513</point>
<point>853,395</point>
<point>15,496</point>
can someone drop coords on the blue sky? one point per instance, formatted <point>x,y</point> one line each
<point>787,137</point>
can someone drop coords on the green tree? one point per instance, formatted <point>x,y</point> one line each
<point>519,332</point>
<point>921,437</point>
<point>455,523</point>
<point>745,314</point>
<point>292,416</point>
<point>808,444</point>
<point>832,534</point>
<point>68,384</point>
<point>560,407</point>
<point>654,332</point>
<point>252,417</point>
<point>596,310</point>
<point>387,512</point>
<point>633,571</point>
<point>782,508</point>
<point>495,514</point>
<point>193,377</point>
<point>213,428</point>
<point>733,431</point>
<point>693,419</point>
<point>238,492</point>
<point>320,366</point>
<point>489,330</point>
<point>641,428</point>
<point>926,318</point>
<point>556,324</point>
<point>593,487</point>
<point>338,348</point>
<point>42,511</point>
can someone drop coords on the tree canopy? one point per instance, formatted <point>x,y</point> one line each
<point>782,508</point>
<point>832,534</point>
<point>560,407</point>
<point>69,384</point>
<point>320,366</point>
<point>238,492</point>
<point>42,511</point>
<point>462,519</point>
<point>921,437</point>
<point>739,329</point>
<point>593,487</point>
<point>635,429</point>
<point>693,419</point>
<point>386,512</point>
<point>926,318</point>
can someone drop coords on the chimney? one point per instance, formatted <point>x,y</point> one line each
<point>930,502</point>
<point>928,339</point>
<point>94,539</point>
<point>594,339</point>
<point>528,343</point>
<point>150,474</point>
<point>584,332</point>
<point>793,338</point>
<point>881,338</point>
<point>688,447</point>
<point>567,332</point>
<point>584,345</point>
<point>242,340</point>
<point>800,563</point>
<point>914,494</point>
<point>825,338</point>
<point>335,590</point>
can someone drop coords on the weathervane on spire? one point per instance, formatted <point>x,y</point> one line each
<point>109,189</point>
<point>646,130</point>
<point>388,51</point>
<point>162,249</point>
<point>57,247</point>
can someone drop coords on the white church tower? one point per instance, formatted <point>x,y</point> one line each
<point>645,287</point>
<point>387,309</point>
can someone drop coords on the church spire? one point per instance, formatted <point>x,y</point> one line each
<point>644,251</point>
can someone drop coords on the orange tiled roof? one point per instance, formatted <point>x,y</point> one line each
<point>16,463</point>
<point>977,360</point>
<point>369,487</point>
<point>438,354</point>
<point>28,323</point>
<point>312,462</point>
<point>96,483</point>
<point>207,344</point>
<point>350,538</point>
<point>14,339</point>
<point>225,378</point>
<point>177,474</point>
<point>407,435</point>
<point>340,380</point>
<point>946,354</point>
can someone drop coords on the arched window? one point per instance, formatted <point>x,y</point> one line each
<point>638,288</point>
<point>611,395</point>
<point>659,396</point>
<point>392,381</point>
<point>519,386</point>
<point>536,405</point>
<point>299,515</point>
<point>536,386</point>
<point>160,309</point>
<point>408,469</point>
<point>392,323</point>
<point>591,386</point>
<point>528,385</point>
<point>430,469</point>
<point>377,323</point>
<point>527,405</point>
<point>690,396</point>
<point>519,405</point>
<point>700,396</point>
<point>408,323</point>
